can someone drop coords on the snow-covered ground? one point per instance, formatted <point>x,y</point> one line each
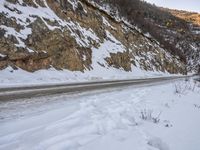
<point>149,117</point>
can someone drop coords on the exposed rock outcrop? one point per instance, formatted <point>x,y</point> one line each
<point>75,36</point>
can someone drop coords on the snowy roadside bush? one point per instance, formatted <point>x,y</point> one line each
<point>148,115</point>
<point>197,106</point>
<point>184,87</point>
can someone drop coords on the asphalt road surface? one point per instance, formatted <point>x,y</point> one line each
<point>12,93</point>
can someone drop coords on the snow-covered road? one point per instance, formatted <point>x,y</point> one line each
<point>13,93</point>
<point>159,117</point>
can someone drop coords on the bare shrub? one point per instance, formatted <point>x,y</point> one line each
<point>197,106</point>
<point>147,114</point>
<point>184,87</point>
<point>180,89</point>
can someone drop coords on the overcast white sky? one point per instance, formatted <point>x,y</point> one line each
<point>190,5</point>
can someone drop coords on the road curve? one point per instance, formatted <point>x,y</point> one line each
<point>12,93</point>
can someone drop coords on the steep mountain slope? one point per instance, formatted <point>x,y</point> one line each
<point>177,31</point>
<point>77,36</point>
<point>192,20</point>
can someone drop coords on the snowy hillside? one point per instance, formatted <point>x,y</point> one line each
<point>79,38</point>
<point>177,31</point>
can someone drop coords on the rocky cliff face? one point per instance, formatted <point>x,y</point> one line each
<point>177,31</point>
<point>75,35</point>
